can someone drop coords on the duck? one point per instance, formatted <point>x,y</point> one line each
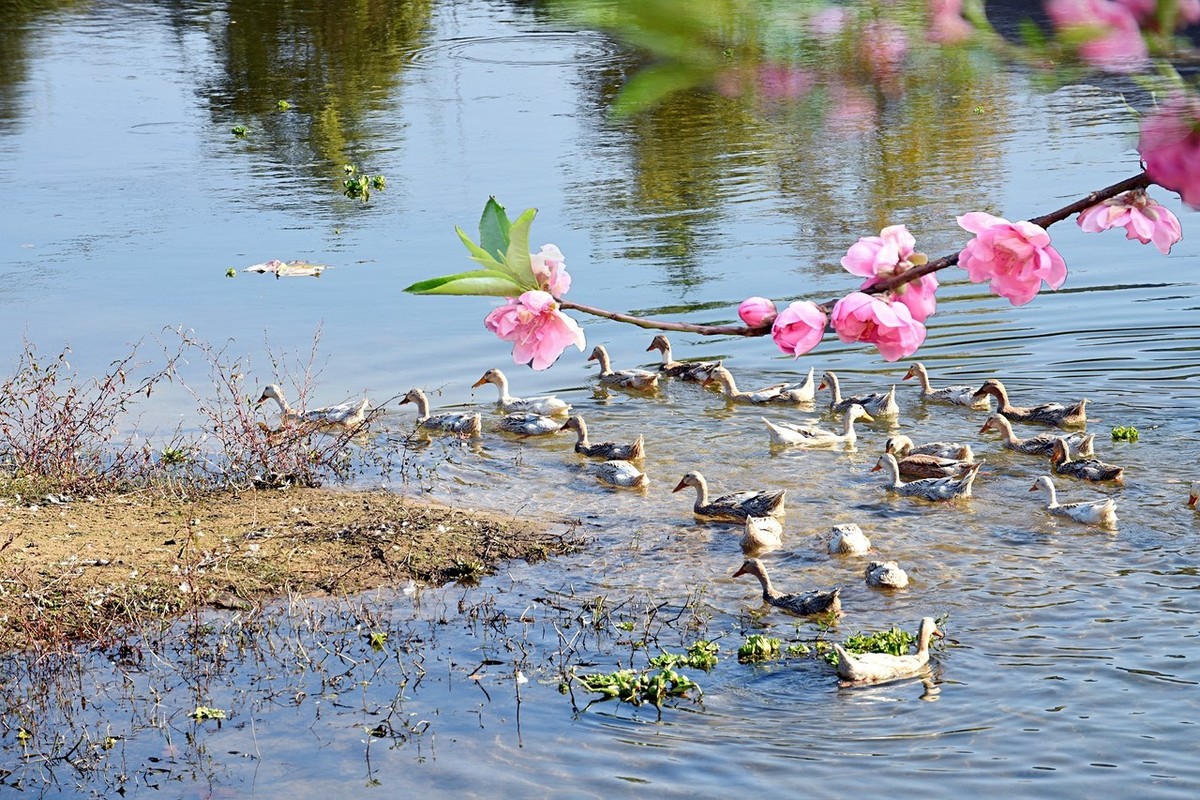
<point>607,450</point>
<point>1042,444</point>
<point>733,507</point>
<point>885,575</point>
<point>849,539</point>
<point>957,395</point>
<point>624,378</point>
<point>1057,414</point>
<point>342,417</point>
<point>695,371</point>
<point>879,667</point>
<point>462,424</point>
<point>879,404</point>
<point>1099,512</point>
<point>937,489</point>
<point>545,405</point>
<point>618,472</point>
<point>802,392</point>
<point>812,436</point>
<point>762,533</point>
<point>901,445</point>
<point>529,424</point>
<point>1088,469</point>
<point>922,465</point>
<point>815,602</point>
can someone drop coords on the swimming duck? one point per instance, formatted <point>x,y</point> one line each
<point>1088,469</point>
<point>928,488</point>
<point>802,392</point>
<point>696,371</point>
<point>462,424</point>
<point>1042,444</point>
<point>529,424</point>
<point>605,450</point>
<point>814,602</point>
<point>545,405</point>
<point>621,473</point>
<point>879,667</point>
<point>886,575</point>
<point>733,507</point>
<point>812,436</point>
<point>879,404</point>
<point>345,416</point>
<point>1100,512</point>
<point>848,539</point>
<point>762,533</point>
<point>922,465</point>
<point>624,378</point>
<point>958,395</point>
<point>900,446</point>
<point>1057,414</point>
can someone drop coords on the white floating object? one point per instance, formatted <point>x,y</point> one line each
<point>849,539</point>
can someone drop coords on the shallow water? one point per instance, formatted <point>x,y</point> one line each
<point>1071,662</point>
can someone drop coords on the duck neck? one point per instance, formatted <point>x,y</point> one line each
<point>1051,495</point>
<point>848,431</point>
<point>701,487</point>
<point>284,407</point>
<point>1006,429</point>
<point>422,404</point>
<point>893,469</point>
<point>725,378</point>
<point>923,377</point>
<point>998,391</point>
<point>834,387</point>
<point>501,382</point>
<point>926,634</point>
<point>582,431</point>
<point>605,363</point>
<point>665,347</point>
<point>768,591</point>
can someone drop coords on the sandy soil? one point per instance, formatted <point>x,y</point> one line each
<point>88,569</point>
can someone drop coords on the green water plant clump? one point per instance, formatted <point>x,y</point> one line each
<point>759,648</point>
<point>701,655</point>
<point>639,687</point>
<point>1124,433</point>
<point>893,641</point>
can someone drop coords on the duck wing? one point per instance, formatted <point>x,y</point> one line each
<point>817,601</point>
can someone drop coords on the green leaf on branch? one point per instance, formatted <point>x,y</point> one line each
<point>479,255</point>
<point>478,282</point>
<point>517,256</point>
<point>493,229</point>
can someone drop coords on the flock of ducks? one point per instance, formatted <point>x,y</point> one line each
<point>933,471</point>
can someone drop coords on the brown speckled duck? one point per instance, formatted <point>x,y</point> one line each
<point>1058,414</point>
<point>1042,444</point>
<point>1088,469</point>
<point>956,395</point>
<point>605,450</point>
<point>624,378</point>
<point>814,602</point>
<point>451,422</point>
<point>696,371</point>
<point>733,507</point>
<point>802,392</point>
<point>877,404</point>
<point>937,489</point>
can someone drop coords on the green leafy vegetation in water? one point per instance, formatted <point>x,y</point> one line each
<point>231,273</point>
<point>758,648</point>
<point>893,641</point>
<point>204,712</point>
<point>797,649</point>
<point>358,185</point>
<point>283,105</point>
<point>1125,433</point>
<point>640,686</point>
<point>701,655</point>
<point>173,456</point>
<point>239,131</point>
<point>378,639</point>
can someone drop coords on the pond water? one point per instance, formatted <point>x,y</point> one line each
<point>1072,658</point>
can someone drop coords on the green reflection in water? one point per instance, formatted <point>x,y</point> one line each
<point>18,20</point>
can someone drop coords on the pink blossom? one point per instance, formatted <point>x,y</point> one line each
<point>1186,12</point>
<point>1015,256</point>
<point>799,327</point>
<point>550,270</point>
<point>1170,146</point>
<point>538,330</point>
<point>1110,36</point>
<point>757,311</point>
<point>860,317</point>
<point>946,23</point>
<point>1142,218</point>
<point>878,258</point>
<point>883,45</point>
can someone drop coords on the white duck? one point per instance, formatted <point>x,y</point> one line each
<point>812,436</point>
<point>621,473</point>
<point>762,533</point>
<point>849,539</point>
<point>345,416</point>
<point>1040,445</point>
<point>528,424</point>
<point>802,392</point>
<point>937,489</point>
<point>624,378</point>
<point>879,667</point>
<point>1099,512</point>
<point>462,424</point>
<point>545,405</point>
<point>901,446</point>
<point>879,404</point>
<point>957,395</point>
<point>886,575</point>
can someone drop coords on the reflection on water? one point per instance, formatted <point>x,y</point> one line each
<point>1072,654</point>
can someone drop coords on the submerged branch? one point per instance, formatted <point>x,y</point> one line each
<point>1139,181</point>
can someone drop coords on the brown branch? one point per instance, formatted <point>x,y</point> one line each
<point>1139,181</point>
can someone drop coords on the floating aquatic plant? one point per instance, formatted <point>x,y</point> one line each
<point>893,641</point>
<point>640,686</point>
<point>701,655</point>
<point>1125,433</point>
<point>758,648</point>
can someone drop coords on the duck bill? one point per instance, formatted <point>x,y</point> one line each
<point>1033,488</point>
<point>876,468</point>
<point>821,386</point>
<point>261,400</point>
<point>1192,500</point>
<point>652,346</point>
<point>867,418</point>
<point>908,374</point>
<point>741,571</point>
<point>681,485</point>
<point>478,383</point>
